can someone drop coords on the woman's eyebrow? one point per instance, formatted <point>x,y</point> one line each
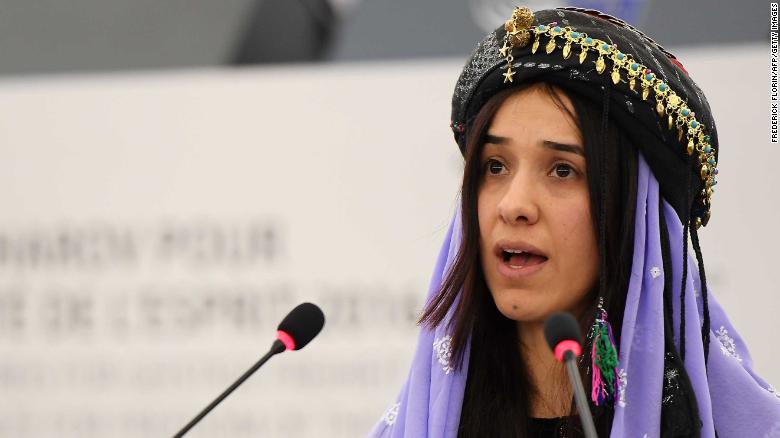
<point>494,139</point>
<point>563,147</point>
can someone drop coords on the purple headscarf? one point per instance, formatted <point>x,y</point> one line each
<point>731,398</point>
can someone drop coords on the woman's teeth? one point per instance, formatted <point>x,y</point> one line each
<point>519,259</point>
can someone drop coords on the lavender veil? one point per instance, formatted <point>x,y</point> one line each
<point>732,399</point>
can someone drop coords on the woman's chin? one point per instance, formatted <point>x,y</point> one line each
<point>521,311</point>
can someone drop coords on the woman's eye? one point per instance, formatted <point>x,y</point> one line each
<point>563,170</point>
<point>494,166</point>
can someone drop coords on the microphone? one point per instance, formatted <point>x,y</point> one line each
<point>563,336</point>
<point>296,330</point>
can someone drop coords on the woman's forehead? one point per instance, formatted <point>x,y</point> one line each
<point>531,113</point>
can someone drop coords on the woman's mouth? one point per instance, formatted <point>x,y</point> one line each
<point>520,259</point>
<point>515,264</point>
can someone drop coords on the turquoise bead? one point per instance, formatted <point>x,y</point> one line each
<point>649,76</point>
<point>685,112</point>
<point>634,66</point>
<point>541,27</point>
<point>707,149</point>
<point>588,40</point>
<point>707,138</point>
<point>712,161</point>
<point>605,46</point>
<point>620,56</point>
<point>662,87</point>
<point>575,34</point>
<point>557,29</point>
<point>694,124</point>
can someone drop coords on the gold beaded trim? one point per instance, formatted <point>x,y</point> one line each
<point>668,103</point>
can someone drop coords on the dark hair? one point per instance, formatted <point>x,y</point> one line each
<point>497,396</point>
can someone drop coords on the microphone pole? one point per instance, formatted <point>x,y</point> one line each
<point>295,331</point>
<point>579,394</point>
<point>563,336</point>
<point>276,348</point>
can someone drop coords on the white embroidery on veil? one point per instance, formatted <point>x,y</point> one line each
<point>727,345</point>
<point>391,414</point>
<point>443,349</point>
<point>623,376</point>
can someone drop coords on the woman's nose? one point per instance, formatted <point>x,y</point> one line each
<point>519,203</point>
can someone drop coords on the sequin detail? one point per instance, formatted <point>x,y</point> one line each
<point>671,386</point>
<point>443,349</point>
<point>623,376</point>
<point>484,57</point>
<point>391,414</point>
<point>727,345</point>
<point>655,271</point>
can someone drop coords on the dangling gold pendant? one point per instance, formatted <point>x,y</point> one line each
<point>659,108</point>
<point>615,77</point>
<point>679,134</point>
<point>508,75</point>
<point>550,45</point>
<point>645,92</point>
<point>505,48</point>
<point>583,54</point>
<point>704,171</point>
<point>567,50</point>
<point>690,146</point>
<point>600,65</point>
<point>536,44</point>
<point>670,121</point>
<point>632,84</point>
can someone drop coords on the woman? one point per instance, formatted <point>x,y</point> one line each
<point>590,156</point>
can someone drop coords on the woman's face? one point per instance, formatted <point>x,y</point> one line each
<point>533,197</point>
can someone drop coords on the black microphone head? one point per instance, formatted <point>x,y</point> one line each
<point>302,324</point>
<point>561,326</point>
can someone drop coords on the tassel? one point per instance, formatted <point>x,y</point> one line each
<point>606,381</point>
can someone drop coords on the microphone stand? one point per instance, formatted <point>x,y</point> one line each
<point>579,394</point>
<point>276,348</point>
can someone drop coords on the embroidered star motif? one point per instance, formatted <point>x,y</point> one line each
<point>508,75</point>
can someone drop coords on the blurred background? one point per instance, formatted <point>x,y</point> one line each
<point>177,175</point>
